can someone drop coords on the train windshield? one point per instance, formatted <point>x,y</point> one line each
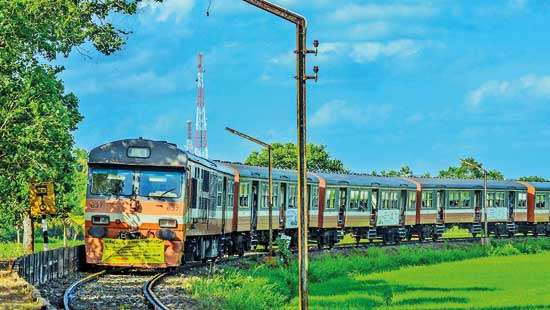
<point>160,184</point>
<point>112,182</point>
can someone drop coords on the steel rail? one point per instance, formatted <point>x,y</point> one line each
<point>150,296</point>
<point>69,292</point>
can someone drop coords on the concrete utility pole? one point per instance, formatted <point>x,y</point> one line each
<point>270,180</point>
<point>301,79</point>
<point>485,239</point>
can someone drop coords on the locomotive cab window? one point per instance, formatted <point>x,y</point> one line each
<point>160,184</point>
<point>139,152</point>
<point>112,182</point>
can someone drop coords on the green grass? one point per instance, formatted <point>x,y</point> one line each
<point>338,281</point>
<point>490,282</point>
<point>12,250</point>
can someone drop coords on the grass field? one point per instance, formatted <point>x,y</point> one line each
<point>356,280</point>
<point>492,282</point>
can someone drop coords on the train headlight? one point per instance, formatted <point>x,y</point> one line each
<point>100,220</point>
<point>168,223</point>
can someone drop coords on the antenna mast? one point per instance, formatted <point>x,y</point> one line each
<point>201,138</point>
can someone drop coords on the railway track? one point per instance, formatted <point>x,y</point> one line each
<point>121,289</point>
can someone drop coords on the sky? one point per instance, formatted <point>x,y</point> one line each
<point>415,83</point>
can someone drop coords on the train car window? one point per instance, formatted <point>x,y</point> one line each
<point>314,197</point>
<point>374,200</point>
<point>354,199</point>
<point>205,181</point>
<point>275,196</point>
<point>412,200</point>
<point>540,202</point>
<point>427,200</point>
<point>219,192</point>
<point>230,193</point>
<point>522,200</point>
<point>160,184</point>
<point>112,182</point>
<point>465,198</point>
<point>292,196</point>
<point>264,195</point>
<point>390,200</point>
<point>139,152</point>
<point>330,198</point>
<point>496,199</point>
<point>244,193</point>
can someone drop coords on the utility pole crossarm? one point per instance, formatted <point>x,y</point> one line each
<point>277,10</point>
<point>243,135</point>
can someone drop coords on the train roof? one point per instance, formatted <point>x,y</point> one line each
<point>469,184</point>
<point>139,152</point>
<point>263,173</point>
<point>366,180</point>
<point>541,186</point>
<point>214,164</point>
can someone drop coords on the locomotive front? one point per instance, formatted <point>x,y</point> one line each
<point>135,204</point>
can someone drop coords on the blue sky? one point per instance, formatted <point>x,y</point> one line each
<point>410,82</point>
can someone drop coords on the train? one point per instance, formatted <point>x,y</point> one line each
<point>150,204</point>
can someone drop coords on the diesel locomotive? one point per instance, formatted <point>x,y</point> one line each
<point>150,204</point>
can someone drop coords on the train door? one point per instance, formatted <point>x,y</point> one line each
<point>404,198</point>
<point>282,205</point>
<point>478,205</point>
<point>374,205</point>
<point>511,205</point>
<point>343,199</point>
<point>440,206</point>
<point>254,210</point>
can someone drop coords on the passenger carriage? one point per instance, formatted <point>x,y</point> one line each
<point>534,216</point>
<point>454,202</point>
<point>368,207</point>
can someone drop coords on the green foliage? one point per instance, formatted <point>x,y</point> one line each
<point>339,275</point>
<point>283,249</point>
<point>466,171</point>
<point>284,156</point>
<point>37,117</point>
<point>11,250</point>
<point>533,179</point>
<point>404,171</point>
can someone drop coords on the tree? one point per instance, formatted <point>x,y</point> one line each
<point>284,156</point>
<point>37,117</point>
<point>465,171</point>
<point>533,179</point>
<point>404,171</point>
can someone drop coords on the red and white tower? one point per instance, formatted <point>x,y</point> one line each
<point>201,138</point>
<point>190,137</point>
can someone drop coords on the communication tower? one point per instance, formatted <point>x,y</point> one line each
<point>201,138</point>
<point>190,137</point>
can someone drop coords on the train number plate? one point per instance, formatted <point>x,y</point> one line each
<point>133,252</point>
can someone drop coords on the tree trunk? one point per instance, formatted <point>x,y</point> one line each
<point>18,232</point>
<point>64,233</point>
<point>28,232</point>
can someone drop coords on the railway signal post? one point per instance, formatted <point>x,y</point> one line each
<point>270,180</point>
<point>42,200</point>
<point>301,79</point>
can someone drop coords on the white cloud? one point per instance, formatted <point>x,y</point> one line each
<point>371,51</point>
<point>338,111</point>
<point>163,11</point>
<point>527,86</point>
<point>356,12</point>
